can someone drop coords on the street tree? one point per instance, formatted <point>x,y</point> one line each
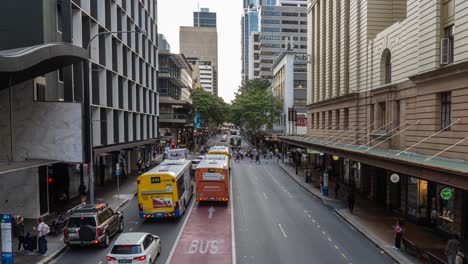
<point>213,110</point>
<point>255,105</point>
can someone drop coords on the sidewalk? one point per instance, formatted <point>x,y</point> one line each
<point>104,194</point>
<point>373,221</point>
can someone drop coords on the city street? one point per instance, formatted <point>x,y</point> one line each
<point>166,229</point>
<point>276,221</point>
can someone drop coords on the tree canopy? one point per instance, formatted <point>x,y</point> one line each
<point>255,105</point>
<point>213,109</point>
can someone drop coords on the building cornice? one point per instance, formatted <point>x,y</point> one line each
<point>335,100</point>
<point>440,73</point>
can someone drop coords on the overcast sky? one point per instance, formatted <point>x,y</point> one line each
<point>175,13</point>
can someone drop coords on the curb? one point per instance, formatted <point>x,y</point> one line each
<point>62,249</point>
<point>358,228</point>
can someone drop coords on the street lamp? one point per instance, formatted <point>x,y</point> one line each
<point>87,109</point>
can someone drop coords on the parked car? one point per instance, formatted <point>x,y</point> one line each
<point>135,247</point>
<point>224,138</point>
<point>92,225</point>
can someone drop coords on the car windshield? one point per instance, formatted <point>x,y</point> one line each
<point>126,249</point>
<point>81,221</point>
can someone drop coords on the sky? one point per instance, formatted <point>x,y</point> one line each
<point>175,13</point>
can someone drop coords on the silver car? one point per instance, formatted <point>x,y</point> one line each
<point>135,247</point>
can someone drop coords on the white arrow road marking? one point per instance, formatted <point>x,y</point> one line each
<point>211,210</point>
<point>282,231</point>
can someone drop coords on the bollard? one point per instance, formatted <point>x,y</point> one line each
<point>307,176</point>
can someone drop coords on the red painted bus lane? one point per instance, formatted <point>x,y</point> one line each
<point>206,237</point>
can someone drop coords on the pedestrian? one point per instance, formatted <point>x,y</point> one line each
<point>15,232</point>
<point>460,259</point>
<point>20,233</point>
<point>82,191</point>
<point>451,249</point>
<point>351,201</point>
<point>42,231</point>
<point>257,158</point>
<point>279,157</point>
<point>337,189</point>
<point>398,229</point>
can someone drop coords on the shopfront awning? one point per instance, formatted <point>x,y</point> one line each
<point>451,172</point>
<point>9,167</point>
<point>22,64</point>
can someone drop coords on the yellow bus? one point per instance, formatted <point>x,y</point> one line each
<point>221,150</point>
<point>165,191</point>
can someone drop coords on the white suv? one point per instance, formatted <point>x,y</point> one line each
<point>135,247</point>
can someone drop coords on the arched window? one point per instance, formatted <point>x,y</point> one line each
<point>386,67</point>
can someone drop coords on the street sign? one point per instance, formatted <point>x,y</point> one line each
<point>446,193</point>
<point>7,242</point>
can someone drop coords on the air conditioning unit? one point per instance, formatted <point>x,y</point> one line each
<point>445,51</point>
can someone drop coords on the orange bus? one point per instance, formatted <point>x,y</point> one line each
<point>212,180</point>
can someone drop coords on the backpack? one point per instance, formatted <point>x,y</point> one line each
<point>464,260</point>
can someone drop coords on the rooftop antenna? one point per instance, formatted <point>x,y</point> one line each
<point>198,14</point>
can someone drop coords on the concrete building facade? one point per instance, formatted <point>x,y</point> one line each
<point>289,85</point>
<point>201,44</point>
<point>387,93</point>
<point>50,108</point>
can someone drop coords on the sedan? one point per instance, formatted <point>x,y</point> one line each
<point>135,247</point>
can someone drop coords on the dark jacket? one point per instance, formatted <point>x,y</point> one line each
<point>20,228</point>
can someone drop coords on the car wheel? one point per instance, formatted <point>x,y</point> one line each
<point>121,226</point>
<point>106,242</point>
<point>159,249</point>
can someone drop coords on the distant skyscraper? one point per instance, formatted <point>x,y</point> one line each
<point>282,26</point>
<point>204,18</point>
<point>200,46</point>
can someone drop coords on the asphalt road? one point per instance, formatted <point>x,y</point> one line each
<point>276,221</point>
<point>166,229</point>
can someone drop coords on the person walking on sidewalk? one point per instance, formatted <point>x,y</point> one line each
<point>337,189</point>
<point>351,200</point>
<point>460,259</point>
<point>42,231</point>
<point>398,228</point>
<point>257,158</point>
<point>452,248</point>
<point>82,191</point>
<point>20,233</point>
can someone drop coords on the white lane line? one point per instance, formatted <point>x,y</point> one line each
<point>131,229</point>
<point>180,234</point>
<point>309,216</point>
<point>323,232</point>
<point>264,194</point>
<point>336,247</point>
<point>329,239</point>
<point>318,226</point>
<point>313,220</point>
<point>282,231</point>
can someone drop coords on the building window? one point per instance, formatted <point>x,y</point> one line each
<point>382,115</point>
<point>386,68</point>
<point>323,120</point>
<point>59,17</point>
<point>60,75</point>
<point>346,118</point>
<point>397,113</point>
<point>447,46</point>
<point>312,120</point>
<point>445,110</point>
<point>317,125</point>
<point>337,118</point>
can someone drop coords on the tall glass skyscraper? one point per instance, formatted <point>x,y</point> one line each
<point>204,18</point>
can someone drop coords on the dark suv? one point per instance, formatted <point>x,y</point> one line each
<point>92,225</point>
